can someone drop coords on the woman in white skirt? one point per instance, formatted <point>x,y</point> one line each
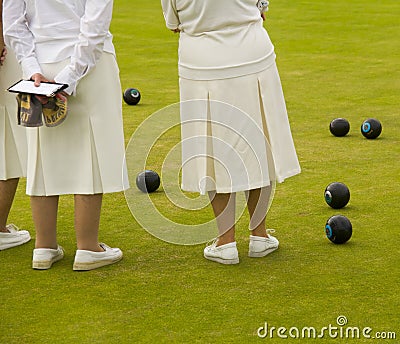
<point>69,42</point>
<point>12,148</point>
<point>235,130</point>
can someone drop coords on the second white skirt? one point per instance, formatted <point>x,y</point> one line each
<point>85,154</point>
<point>236,134</point>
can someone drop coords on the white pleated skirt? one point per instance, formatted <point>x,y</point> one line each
<point>86,153</point>
<point>235,133</point>
<point>13,146</point>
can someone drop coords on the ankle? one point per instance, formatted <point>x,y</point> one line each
<point>224,241</point>
<point>51,247</point>
<point>93,248</point>
<point>260,233</point>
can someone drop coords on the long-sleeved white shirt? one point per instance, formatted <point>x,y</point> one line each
<point>47,31</point>
<point>219,38</point>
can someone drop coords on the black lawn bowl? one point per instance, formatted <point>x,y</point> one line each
<point>371,128</point>
<point>148,181</point>
<point>338,229</point>
<point>132,96</point>
<point>339,127</point>
<point>337,195</point>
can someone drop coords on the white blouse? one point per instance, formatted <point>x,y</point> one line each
<point>48,31</point>
<point>219,38</point>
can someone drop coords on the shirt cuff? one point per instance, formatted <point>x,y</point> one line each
<point>30,66</point>
<point>67,76</point>
<point>172,26</point>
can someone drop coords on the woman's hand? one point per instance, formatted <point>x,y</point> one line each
<point>3,56</point>
<point>38,78</point>
<point>62,95</point>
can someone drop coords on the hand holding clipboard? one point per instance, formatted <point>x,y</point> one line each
<point>47,89</point>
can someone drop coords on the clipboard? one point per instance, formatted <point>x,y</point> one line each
<point>48,89</point>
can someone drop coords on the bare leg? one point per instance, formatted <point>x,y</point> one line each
<point>7,193</point>
<point>223,205</point>
<point>257,204</point>
<point>87,221</point>
<point>44,213</point>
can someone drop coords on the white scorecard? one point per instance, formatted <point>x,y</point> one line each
<point>48,89</point>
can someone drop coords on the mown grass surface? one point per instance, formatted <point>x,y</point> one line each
<point>336,59</point>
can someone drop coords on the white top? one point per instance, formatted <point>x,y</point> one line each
<point>47,31</point>
<point>219,38</point>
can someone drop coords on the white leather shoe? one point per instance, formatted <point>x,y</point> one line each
<point>260,246</point>
<point>224,254</point>
<point>89,260</point>
<point>43,258</point>
<point>14,237</point>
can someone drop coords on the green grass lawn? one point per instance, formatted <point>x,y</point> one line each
<point>336,59</point>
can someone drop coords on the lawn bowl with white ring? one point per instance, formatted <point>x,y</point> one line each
<point>132,96</point>
<point>337,195</point>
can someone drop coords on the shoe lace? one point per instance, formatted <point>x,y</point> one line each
<point>104,246</point>
<point>12,228</point>
<point>270,231</point>
<point>212,242</point>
